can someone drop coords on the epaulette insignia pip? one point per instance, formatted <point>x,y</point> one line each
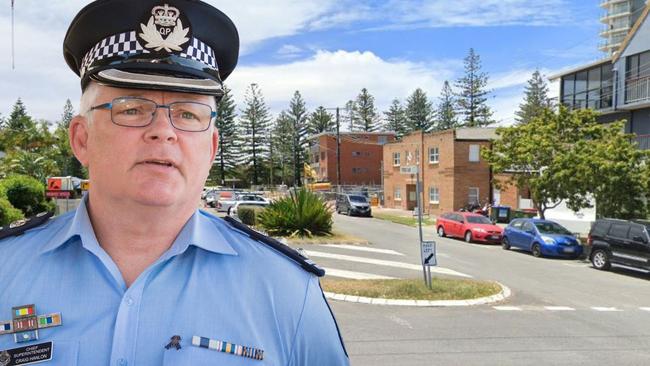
<point>18,227</point>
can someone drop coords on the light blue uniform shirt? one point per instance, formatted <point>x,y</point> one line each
<point>214,282</point>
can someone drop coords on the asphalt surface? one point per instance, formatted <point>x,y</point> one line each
<point>562,312</point>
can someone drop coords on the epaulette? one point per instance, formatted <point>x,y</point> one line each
<point>18,227</point>
<point>304,262</point>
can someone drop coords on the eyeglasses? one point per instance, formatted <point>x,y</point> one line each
<point>139,112</point>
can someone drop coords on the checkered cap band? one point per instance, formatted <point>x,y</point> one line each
<point>127,44</point>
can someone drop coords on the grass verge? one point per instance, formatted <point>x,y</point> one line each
<point>335,238</point>
<point>404,220</point>
<point>412,289</point>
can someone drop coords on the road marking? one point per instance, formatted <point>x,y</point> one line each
<point>363,249</point>
<point>644,309</point>
<point>601,308</point>
<point>379,262</point>
<point>559,308</point>
<point>354,275</point>
<point>507,308</point>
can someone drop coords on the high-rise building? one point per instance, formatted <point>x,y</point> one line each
<point>619,17</point>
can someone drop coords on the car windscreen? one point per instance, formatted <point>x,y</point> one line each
<point>360,199</point>
<point>478,220</point>
<point>551,228</point>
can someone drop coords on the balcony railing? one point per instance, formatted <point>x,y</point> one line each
<point>643,142</point>
<point>637,90</point>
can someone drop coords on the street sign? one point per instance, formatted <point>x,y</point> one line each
<point>58,194</point>
<point>411,169</point>
<point>429,253</point>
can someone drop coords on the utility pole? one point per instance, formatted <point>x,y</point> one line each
<point>338,150</point>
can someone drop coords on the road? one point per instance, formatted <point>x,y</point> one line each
<point>562,312</point>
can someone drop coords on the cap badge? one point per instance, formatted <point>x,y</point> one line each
<point>164,30</point>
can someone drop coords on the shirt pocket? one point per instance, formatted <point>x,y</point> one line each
<point>196,356</point>
<point>64,353</point>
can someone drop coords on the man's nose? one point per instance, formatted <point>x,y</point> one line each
<point>161,127</point>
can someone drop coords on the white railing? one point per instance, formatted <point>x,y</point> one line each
<point>643,142</point>
<point>637,90</point>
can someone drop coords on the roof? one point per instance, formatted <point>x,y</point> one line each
<point>353,133</point>
<point>476,133</point>
<point>580,68</point>
<point>632,33</point>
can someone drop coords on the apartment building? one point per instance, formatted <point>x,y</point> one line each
<point>618,86</point>
<point>361,156</point>
<point>618,19</point>
<point>451,167</point>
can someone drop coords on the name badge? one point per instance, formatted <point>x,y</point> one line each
<point>27,355</point>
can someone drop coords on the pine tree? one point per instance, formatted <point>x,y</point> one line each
<point>321,121</point>
<point>68,114</point>
<point>228,147</point>
<point>298,116</point>
<point>283,144</point>
<point>446,112</point>
<point>536,99</point>
<point>350,111</point>
<point>365,116</point>
<point>395,119</point>
<point>472,98</point>
<point>64,157</point>
<point>254,125</point>
<point>419,112</point>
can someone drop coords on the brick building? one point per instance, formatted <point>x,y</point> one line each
<point>361,155</point>
<point>452,171</point>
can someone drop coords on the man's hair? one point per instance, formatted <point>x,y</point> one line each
<point>88,97</point>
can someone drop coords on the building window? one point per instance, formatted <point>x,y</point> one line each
<point>417,156</point>
<point>473,153</point>
<point>434,155</point>
<point>316,158</point>
<point>396,159</point>
<point>356,153</point>
<point>591,88</point>
<point>359,170</point>
<point>382,140</point>
<point>637,77</point>
<point>434,195</point>
<point>473,196</point>
<point>322,155</point>
<point>398,194</point>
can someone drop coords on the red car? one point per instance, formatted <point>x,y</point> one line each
<point>469,226</point>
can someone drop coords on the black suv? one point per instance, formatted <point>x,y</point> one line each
<point>353,204</point>
<point>620,242</point>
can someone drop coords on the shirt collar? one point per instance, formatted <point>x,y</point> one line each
<point>201,230</point>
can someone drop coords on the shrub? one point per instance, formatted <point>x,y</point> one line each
<point>8,213</point>
<point>25,193</point>
<point>300,214</point>
<point>248,214</point>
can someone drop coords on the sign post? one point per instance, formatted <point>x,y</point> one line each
<point>428,253</point>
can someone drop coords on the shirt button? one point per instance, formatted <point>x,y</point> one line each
<point>129,302</point>
<point>121,362</point>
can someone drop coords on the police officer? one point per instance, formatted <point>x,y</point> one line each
<point>137,275</point>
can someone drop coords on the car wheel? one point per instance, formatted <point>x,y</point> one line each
<point>229,211</point>
<point>537,250</point>
<point>349,212</point>
<point>468,236</point>
<point>441,231</point>
<point>505,244</point>
<point>600,259</point>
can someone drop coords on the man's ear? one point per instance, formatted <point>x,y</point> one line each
<point>78,133</point>
<point>215,143</point>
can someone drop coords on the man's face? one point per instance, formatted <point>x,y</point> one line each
<point>156,165</point>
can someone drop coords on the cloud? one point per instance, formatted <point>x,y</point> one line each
<point>331,78</point>
<point>289,51</point>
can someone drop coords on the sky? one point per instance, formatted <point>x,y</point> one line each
<point>329,50</point>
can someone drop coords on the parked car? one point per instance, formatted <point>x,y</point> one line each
<point>353,204</point>
<point>620,242</point>
<point>245,199</point>
<point>234,208</point>
<point>469,226</point>
<point>541,238</point>
<point>211,198</point>
<point>226,200</point>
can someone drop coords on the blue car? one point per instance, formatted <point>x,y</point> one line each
<point>541,238</point>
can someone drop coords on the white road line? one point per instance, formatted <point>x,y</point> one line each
<point>602,308</point>
<point>507,308</point>
<point>559,308</point>
<point>380,262</point>
<point>363,249</point>
<point>354,275</point>
<point>644,309</point>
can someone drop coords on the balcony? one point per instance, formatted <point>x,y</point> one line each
<point>606,3</point>
<point>607,31</point>
<point>637,91</point>
<point>643,142</point>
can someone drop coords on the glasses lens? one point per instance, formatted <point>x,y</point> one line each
<point>133,112</point>
<point>190,116</point>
